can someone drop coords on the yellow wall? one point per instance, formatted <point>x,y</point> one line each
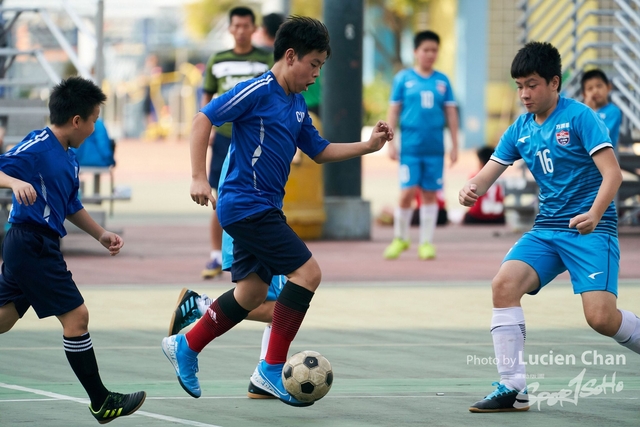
<point>442,20</point>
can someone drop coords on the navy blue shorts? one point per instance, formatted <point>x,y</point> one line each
<point>220,149</point>
<point>35,274</point>
<point>264,244</point>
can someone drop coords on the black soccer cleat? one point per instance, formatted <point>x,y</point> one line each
<point>503,399</point>
<point>118,405</point>
<point>186,311</point>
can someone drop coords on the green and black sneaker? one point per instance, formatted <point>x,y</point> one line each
<point>118,405</point>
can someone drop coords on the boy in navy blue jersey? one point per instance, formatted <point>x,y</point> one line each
<point>569,152</point>
<point>43,174</point>
<point>270,120</point>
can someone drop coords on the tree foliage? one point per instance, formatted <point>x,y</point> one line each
<point>202,15</point>
<point>398,15</point>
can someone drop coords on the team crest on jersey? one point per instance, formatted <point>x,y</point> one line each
<point>562,137</point>
<point>300,116</point>
<point>441,86</point>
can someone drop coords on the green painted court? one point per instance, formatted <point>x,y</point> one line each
<point>402,354</point>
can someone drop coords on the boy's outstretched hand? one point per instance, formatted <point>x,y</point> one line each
<point>382,133</point>
<point>111,241</point>
<point>468,196</point>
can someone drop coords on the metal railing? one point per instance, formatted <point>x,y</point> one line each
<point>592,33</point>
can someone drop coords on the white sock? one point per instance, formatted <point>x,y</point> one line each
<point>217,255</point>
<point>509,333</point>
<point>428,221</point>
<point>629,333</point>
<point>203,302</point>
<point>265,342</point>
<point>401,223</point>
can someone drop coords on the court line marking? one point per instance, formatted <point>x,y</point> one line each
<point>57,396</point>
<point>430,395</point>
<point>377,345</point>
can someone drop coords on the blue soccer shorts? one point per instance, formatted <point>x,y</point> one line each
<point>263,243</point>
<point>34,273</point>
<point>421,171</point>
<point>593,260</point>
<point>277,282</point>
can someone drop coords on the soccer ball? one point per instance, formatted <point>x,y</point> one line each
<point>307,376</point>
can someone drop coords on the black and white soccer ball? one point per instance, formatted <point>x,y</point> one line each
<point>307,376</point>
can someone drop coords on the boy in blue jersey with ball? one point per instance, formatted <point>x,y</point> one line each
<point>43,174</point>
<point>270,120</point>
<point>595,89</point>
<point>191,306</point>
<point>422,101</point>
<point>569,152</point>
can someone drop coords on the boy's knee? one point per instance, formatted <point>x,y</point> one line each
<point>505,293</point>
<point>603,323</point>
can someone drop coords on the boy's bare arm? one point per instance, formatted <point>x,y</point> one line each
<point>200,188</point>
<point>24,192</point>
<point>336,152</point>
<point>393,116</point>
<point>453,121</point>
<point>84,222</point>
<point>607,164</point>
<point>479,184</point>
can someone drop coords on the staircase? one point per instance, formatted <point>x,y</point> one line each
<point>601,34</point>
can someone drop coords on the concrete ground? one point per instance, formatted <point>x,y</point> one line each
<point>398,333</point>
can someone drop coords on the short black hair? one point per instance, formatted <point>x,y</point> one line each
<point>538,57</point>
<point>596,73</point>
<point>242,11</point>
<point>424,36</point>
<point>484,154</point>
<point>303,35</point>
<point>74,96</point>
<point>271,23</point>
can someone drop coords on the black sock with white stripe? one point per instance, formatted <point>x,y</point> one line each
<point>79,351</point>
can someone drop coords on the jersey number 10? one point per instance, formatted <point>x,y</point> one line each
<point>426,99</point>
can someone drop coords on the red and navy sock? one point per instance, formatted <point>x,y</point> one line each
<point>81,357</point>
<point>288,313</point>
<point>222,315</point>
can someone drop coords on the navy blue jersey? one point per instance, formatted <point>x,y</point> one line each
<point>558,154</point>
<point>41,161</point>
<point>268,125</point>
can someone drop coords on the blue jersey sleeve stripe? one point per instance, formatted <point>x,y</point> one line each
<point>600,147</point>
<point>19,149</point>
<point>244,93</point>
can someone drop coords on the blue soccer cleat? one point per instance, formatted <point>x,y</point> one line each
<point>184,361</point>
<point>269,378</point>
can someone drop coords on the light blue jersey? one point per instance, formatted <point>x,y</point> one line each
<point>611,116</point>
<point>422,115</point>
<point>268,126</point>
<point>558,153</point>
<point>41,161</point>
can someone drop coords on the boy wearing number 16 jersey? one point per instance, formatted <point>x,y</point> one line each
<point>569,152</point>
